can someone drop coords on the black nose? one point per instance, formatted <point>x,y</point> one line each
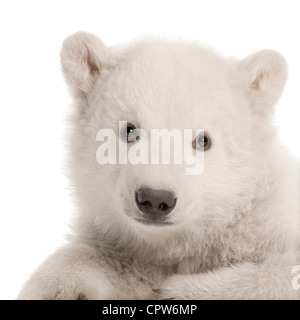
<point>155,202</point>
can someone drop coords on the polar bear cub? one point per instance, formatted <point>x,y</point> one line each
<point>150,230</point>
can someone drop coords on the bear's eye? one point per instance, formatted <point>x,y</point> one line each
<point>129,133</point>
<point>202,142</point>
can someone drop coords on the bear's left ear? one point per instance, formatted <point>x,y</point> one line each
<point>264,75</point>
<point>83,56</point>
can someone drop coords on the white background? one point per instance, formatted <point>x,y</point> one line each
<point>35,205</point>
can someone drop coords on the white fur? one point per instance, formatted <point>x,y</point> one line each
<point>236,226</point>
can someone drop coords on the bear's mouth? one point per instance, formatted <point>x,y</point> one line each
<point>153,221</point>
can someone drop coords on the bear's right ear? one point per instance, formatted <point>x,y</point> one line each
<point>82,58</point>
<point>264,75</point>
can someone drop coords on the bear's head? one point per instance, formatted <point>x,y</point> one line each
<point>155,84</point>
